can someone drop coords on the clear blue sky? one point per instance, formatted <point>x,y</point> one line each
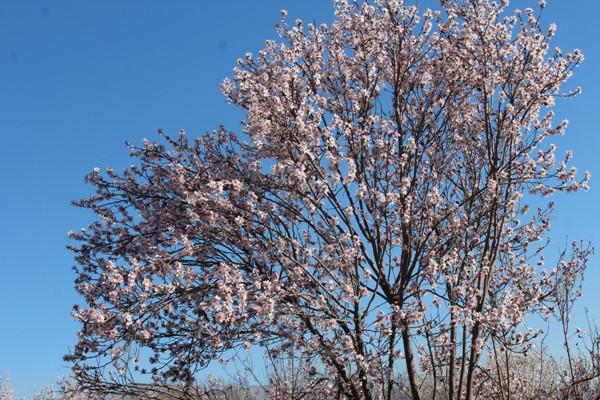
<point>78,78</point>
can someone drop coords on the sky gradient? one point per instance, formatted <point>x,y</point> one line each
<point>79,78</point>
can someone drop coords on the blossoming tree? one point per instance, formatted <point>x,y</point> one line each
<point>373,214</point>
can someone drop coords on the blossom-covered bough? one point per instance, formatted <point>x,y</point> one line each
<point>373,214</point>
